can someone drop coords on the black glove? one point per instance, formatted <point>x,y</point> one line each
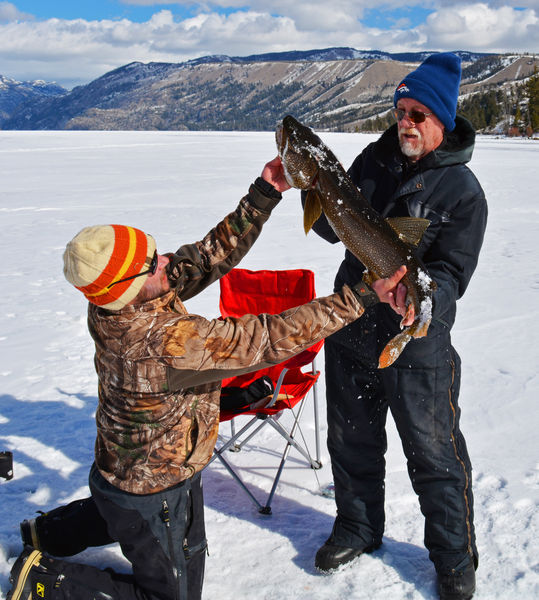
<point>267,189</point>
<point>365,294</point>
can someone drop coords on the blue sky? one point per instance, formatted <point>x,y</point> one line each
<point>73,42</point>
<point>115,9</point>
<point>97,9</point>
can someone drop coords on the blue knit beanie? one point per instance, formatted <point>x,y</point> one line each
<point>435,83</point>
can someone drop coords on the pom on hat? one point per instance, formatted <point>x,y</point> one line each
<point>98,256</point>
<point>435,83</point>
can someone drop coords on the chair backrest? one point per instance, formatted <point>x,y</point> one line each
<point>254,292</point>
<point>266,291</point>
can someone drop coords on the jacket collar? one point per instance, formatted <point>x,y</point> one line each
<point>150,306</point>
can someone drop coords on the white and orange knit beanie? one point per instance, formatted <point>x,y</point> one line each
<point>99,256</point>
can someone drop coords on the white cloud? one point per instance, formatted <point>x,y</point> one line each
<point>78,51</point>
<point>479,27</point>
<point>514,3</point>
<point>9,12</point>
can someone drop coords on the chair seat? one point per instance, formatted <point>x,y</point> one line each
<point>293,389</point>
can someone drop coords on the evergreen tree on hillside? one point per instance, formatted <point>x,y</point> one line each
<point>482,110</point>
<point>517,121</point>
<point>378,123</point>
<point>532,91</point>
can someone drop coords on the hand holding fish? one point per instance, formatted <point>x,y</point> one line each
<point>273,173</point>
<point>392,292</point>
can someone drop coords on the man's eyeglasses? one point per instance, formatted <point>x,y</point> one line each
<point>415,116</point>
<point>151,269</point>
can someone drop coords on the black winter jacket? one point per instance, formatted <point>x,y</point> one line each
<point>439,187</point>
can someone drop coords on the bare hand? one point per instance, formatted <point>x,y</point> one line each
<point>273,173</point>
<point>392,292</point>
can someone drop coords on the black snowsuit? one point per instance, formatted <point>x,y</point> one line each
<point>421,389</point>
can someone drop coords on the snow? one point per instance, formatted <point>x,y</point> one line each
<point>177,186</point>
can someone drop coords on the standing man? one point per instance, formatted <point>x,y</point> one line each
<point>159,371</point>
<point>417,168</point>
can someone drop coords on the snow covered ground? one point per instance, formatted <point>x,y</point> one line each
<point>177,186</point>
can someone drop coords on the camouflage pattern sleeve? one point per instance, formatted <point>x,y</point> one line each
<point>200,351</point>
<point>195,266</point>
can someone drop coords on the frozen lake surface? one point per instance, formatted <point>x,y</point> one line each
<point>177,186</point>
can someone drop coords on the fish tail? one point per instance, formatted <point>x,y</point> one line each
<point>395,346</point>
<point>393,349</point>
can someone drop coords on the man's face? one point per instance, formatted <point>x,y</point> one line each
<point>418,139</point>
<point>159,280</point>
<point>156,284</point>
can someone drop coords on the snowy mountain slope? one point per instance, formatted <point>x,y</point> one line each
<point>333,89</point>
<point>14,93</point>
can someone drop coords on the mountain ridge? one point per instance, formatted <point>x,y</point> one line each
<point>334,88</point>
<point>14,93</point>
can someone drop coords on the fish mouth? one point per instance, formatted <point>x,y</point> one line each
<point>279,137</point>
<point>282,137</point>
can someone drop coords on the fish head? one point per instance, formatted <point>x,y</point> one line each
<point>296,145</point>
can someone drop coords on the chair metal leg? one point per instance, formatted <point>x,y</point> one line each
<point>218,451</point>
<point>289,435</point>
<point>261,509</point>
<point>235,447</point>
<point>277,476</point>
<point>316,418</point>
<point>242,443</point>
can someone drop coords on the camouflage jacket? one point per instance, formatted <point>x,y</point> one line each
<point>160,368</point>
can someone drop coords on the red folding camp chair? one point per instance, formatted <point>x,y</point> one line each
<point>256,292</point>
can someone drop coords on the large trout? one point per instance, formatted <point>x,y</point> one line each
<point>382,245</point>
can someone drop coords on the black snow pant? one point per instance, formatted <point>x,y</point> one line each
<point>161,534</point>
<point>423,403</point>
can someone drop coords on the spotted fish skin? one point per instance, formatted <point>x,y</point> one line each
<point>382,245</point>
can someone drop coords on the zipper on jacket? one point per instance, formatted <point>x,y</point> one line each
<point>165,517</point>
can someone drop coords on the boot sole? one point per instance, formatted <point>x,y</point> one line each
<point>29,533</point>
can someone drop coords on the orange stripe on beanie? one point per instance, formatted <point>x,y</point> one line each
<point>100,255</point>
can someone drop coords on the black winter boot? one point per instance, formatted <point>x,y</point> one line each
<point>29,533</point>
<point>33,576</point>
<point>457,584</point>
<point>331,556</point>
<point>21,585</point>
<point>66,530</point>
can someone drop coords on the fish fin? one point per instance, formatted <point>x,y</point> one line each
<point>312,210</point>
<point>395,346</point>
<point>419,329</point>
<point>409,309</point>
<point>393,349</point>
<point>409,229</point>
<point>369,277</point>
